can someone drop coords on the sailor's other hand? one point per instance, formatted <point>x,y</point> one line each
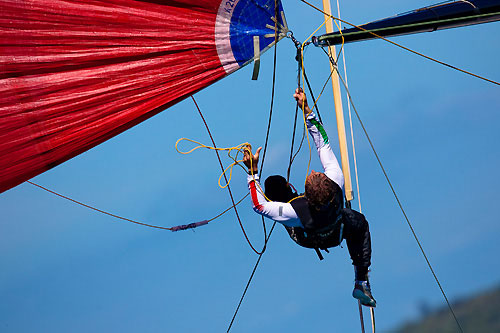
<point>301,99</point>
<point>250,160</point>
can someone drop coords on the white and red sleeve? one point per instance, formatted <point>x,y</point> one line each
<point>278,211</point>
<point>326,155</point>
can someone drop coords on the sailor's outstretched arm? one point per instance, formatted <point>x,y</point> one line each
<point>281,212</point>
<point>327,157</point>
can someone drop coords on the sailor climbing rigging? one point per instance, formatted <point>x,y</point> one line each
<point>318,218</point>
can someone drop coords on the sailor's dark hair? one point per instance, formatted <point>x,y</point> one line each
<point>278,189</point>
<point>321,190</point>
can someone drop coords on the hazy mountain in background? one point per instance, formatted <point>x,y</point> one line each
<point>477,314</point>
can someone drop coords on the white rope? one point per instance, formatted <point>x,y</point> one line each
<point>350,123</point>
<point>372,312</point>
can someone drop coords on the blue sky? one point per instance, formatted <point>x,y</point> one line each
<point>69,269</point>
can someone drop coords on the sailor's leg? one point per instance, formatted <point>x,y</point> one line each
<point>357,236</point>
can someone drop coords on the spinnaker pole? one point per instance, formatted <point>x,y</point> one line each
<point>440,16</point>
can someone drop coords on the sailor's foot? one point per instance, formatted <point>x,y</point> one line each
<point>363,293</point>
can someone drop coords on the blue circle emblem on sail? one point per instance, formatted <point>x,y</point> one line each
<point>249,19</point>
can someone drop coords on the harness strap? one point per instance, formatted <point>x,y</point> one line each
<point>318,253</point>
<point>341,232</point>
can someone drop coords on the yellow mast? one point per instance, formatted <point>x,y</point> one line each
<point>344,155</point>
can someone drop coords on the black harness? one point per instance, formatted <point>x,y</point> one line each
<point>323,227</point>
<point>322,230</point>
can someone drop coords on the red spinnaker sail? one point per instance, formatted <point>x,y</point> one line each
<point>75,73</point>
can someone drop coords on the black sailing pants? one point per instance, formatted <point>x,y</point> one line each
<point>357,236</point>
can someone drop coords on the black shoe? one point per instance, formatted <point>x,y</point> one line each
<point>363,292</point>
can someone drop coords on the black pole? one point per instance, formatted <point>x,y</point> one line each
<point>436,17</point>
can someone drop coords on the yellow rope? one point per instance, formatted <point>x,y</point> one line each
<point>303,74</point>
<point>341,49</point>
<point>238,149</point>
<point>241,148</point>
<point>341,35</point>
<point>350,116</point>
<point>303,113</point>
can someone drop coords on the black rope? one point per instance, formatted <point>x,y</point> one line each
<point>276,12</point>
<point>396,196</point>
<point>292,157</point>
<point>225,178</point>
<point>312,95</point>
<point>301,143</point>
<point>250,279</point>
<point>299,57</point>
<point>315,106</point>
<point>272,90</point>
<point>301,69</point>
<point>299,65</point>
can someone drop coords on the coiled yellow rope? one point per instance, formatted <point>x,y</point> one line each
<point>241,148</point>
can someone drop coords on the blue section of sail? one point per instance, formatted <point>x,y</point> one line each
<point>249,19</point>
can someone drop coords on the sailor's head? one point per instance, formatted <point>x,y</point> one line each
<point>322,193</point>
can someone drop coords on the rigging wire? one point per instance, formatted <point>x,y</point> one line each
<point>396,196</point>
<point>288,171</point>
<point>349,111</point>
<point>262,166</point>
<point>250,278</point>
<point>121,217</point>
<point>291,159</point>
<point>225,178</point>
<point>305,43</point>
<point>266,238</point>
<point>299,59</point>
<point>403,47</point>
<point>300,145</point>
<point>272,89</point>
<point>274,224</point>
<point>301,70</point>
<point>315,104</point>
<point>342,50</point>
<point>96,209</point>
<point>324,86</point>
<point>311,93</point>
